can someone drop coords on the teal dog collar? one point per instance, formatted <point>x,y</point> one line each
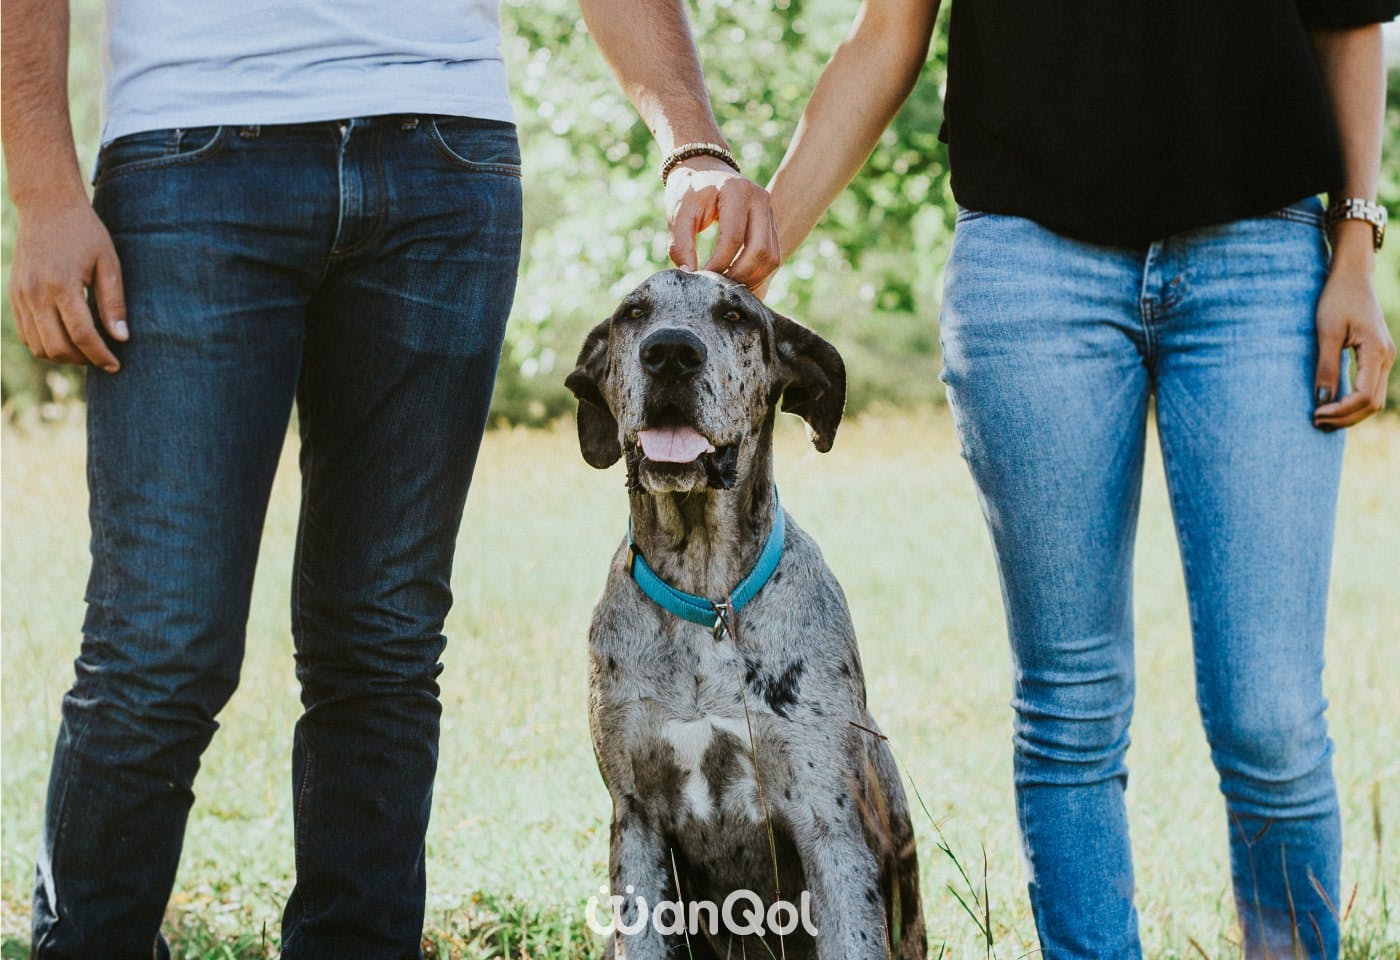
<point>698,609</point>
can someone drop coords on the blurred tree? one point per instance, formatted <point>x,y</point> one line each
<point>868,277</point>
<point>595,223</point>
<point>594,219</point>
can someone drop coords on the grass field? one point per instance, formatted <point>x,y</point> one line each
<point>519,838</point>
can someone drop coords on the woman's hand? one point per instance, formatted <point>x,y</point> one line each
<point>1349,318</point>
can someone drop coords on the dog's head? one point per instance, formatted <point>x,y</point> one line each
<point>684,378</point>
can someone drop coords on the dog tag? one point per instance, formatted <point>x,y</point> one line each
<point>725,621</point>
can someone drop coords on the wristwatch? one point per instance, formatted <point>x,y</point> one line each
<point>1355,208</point>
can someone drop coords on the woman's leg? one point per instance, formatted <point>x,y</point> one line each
<point>1043,357</point>
<point>1254,489</point>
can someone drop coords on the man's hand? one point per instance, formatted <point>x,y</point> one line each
<point>703,190</point>
<point>60,252</point>
<point>648,45</point>
<point>61,247</point>
<point>1349,317</point>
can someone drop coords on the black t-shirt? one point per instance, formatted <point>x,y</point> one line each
<point>1125,121</point>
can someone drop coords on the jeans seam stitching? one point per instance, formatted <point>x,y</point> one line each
<point>1184,542</point>
<point>470,166</point>
<point>1300,216</point>
<point>299,618</point>
<point>61,822</point>
<point>165,162</point>
<point>79,729</point>
<point>377,217</point>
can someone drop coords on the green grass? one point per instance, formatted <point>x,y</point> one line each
<point>519,838</point>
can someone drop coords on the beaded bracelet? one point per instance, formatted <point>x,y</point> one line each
<point>688,150</point>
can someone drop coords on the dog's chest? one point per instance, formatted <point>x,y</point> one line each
<point>713,770</point>
<point>692,740</point>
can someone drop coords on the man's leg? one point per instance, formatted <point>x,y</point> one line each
<point>182,445</point>
<point>400,360</point>
<point>1254,491</point>
<point>1043,358</point>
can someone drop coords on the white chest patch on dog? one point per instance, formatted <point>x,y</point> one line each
<point>690,739</point>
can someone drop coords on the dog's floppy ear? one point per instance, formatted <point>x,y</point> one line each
<point>597,427</point>
<point>814,379</point>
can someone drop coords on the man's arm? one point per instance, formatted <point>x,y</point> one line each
<point>649,47</point>
<point>858,94</point>
<point>61,248</point>
<point>1348,315</point>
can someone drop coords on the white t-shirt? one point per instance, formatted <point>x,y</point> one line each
<point>189,63</point>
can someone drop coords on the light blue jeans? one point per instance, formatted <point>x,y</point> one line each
<point>1053,351</point>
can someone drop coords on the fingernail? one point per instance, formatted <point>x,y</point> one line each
<point>686,268</point>
<point>112,367</point>
<point>120,328</point>
<point>1321,396</point>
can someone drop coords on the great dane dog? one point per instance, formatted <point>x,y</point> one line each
<point>744,767</point>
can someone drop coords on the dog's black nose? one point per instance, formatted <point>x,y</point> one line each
<point>673,353</point>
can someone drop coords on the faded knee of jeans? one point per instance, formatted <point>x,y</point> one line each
<point>357,666</point>
<point>1069,748</point>
<point>1272,761</point>
<point>159,723</point>
<point>156,678</point>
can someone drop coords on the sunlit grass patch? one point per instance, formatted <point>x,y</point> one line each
<point>519,836</point>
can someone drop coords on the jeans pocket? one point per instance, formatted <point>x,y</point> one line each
<point>156,150</point>
<point>1307,210</point>
<point>477,145</point>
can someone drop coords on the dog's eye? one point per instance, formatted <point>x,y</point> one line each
<point>636,313</point>
<point>732,316</point>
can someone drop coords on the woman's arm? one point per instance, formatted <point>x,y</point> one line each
<point>1348,315</point>
<point>856,97</point>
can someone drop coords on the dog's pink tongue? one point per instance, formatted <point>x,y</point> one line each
<point>673,444</point>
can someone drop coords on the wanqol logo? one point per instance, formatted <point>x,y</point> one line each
<point>741,914</point>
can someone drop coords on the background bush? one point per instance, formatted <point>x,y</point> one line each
<point>869,276</point>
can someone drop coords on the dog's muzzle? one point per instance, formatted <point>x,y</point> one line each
<point>720,464</point>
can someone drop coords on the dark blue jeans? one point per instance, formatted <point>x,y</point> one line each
<point>363,269</point>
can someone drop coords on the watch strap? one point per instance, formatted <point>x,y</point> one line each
<point>1359,208</point>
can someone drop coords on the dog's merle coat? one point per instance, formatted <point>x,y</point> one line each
<point>667,698</point>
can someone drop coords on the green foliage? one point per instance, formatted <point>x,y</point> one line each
<point>1389,192</point>
<point>505,927</point>
<point>595,225</point>
<point>1388,260</point>
<point>594,222</point>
